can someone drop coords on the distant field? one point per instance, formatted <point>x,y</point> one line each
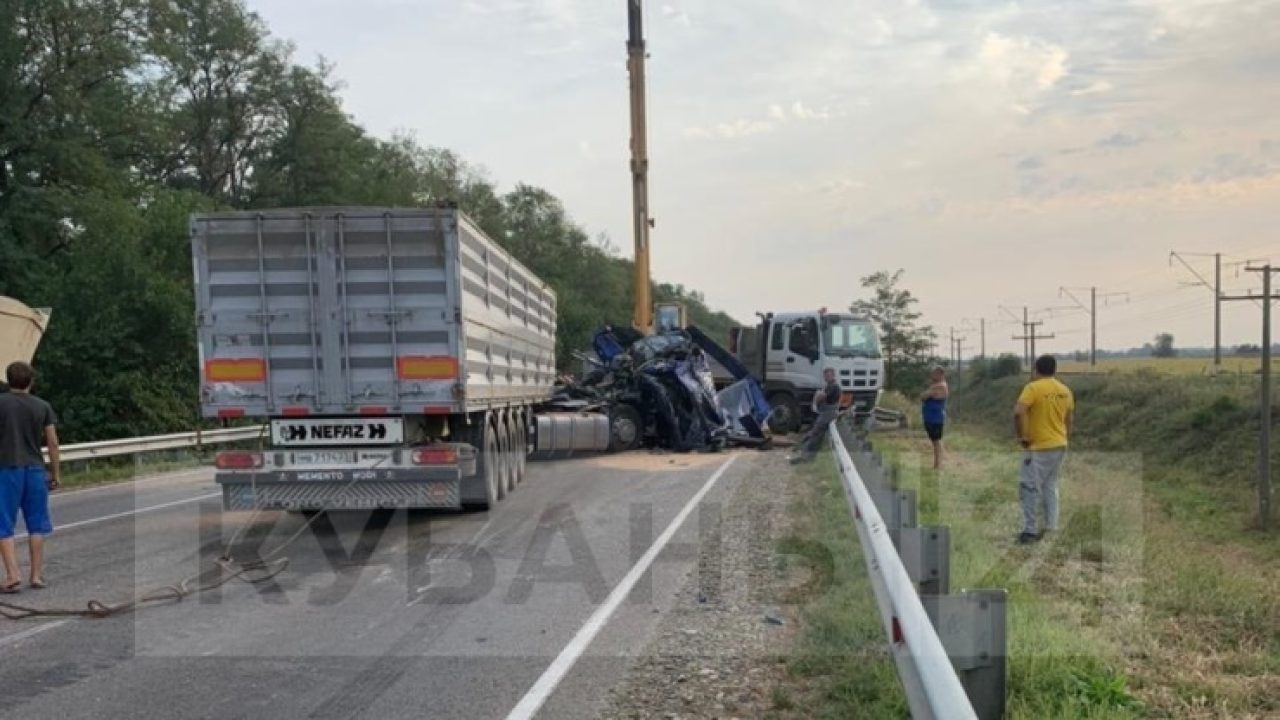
<point>1170,366</point>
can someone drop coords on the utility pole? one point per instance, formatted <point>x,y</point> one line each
<point>982,323</point>
<point>1216,288</point>
<point>1264,440</point>
<point>1092,309</point>
<point>1030,335</point>
<point>642,316</point>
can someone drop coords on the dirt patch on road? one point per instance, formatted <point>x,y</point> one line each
<point>721,650</point>
<point>649,461</point>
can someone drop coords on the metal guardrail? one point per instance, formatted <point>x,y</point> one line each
<point>949,649</point>
<point>131,446</point>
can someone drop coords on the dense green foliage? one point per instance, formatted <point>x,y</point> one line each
<point>118,118</point>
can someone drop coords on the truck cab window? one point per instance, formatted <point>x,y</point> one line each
<point>804,337</point>
<point>779,341</point>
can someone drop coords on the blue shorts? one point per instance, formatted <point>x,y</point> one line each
<point>24,489</point>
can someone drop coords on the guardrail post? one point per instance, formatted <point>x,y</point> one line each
<point>926,553</point>
<point>972,628</point>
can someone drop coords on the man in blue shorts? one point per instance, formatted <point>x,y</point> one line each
<point>933,411</point>
<point>26,422</point>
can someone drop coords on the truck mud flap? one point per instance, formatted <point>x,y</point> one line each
<point>443,494</point>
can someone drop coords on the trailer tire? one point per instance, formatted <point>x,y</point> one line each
<point>520,445</point>
<point>785,416</point>
<point>507,470</point>
<point>626,428</point>
<point>488,464</point>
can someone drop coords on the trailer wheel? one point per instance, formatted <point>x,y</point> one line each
<point>785,416</point>
<point>488,464</point>
<point>520,445</point>
<point>507,471</point>
<point>626,429</point>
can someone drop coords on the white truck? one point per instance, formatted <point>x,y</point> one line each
<point>788,352</point>
<point>396,355</point>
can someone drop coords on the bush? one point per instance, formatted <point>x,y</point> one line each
<point>983,369</point>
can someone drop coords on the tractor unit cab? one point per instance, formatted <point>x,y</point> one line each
<point>789,351</point>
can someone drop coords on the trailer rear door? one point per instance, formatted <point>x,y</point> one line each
<point>327,312</point>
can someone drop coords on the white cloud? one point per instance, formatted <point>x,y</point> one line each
<point>730,131</point>
<point>1017,61</point>
<point>1094,88</point>
<point>676,15</point>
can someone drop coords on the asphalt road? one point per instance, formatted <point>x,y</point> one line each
<point>440,615</point>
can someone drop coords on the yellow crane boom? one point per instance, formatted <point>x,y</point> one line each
<point>643,314</point>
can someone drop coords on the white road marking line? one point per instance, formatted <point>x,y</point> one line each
<point>18,637</point>
<point>139,511</point>
<point>551,677</point>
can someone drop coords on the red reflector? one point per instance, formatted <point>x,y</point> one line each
<point>898,639</point>
<point>373,410</point>
<point>238,461</point>
<point>228,413</point>
<point>437,410</point>
<point>435,456</point>
<point>295,411</point>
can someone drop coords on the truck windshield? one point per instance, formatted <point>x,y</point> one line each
<point>851,338</point>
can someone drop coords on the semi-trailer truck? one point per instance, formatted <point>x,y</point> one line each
<point>397,357</point>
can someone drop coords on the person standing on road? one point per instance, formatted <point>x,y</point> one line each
<point>826,403</point>
<point>26,422</point>
<point>933,411</point>
<point>1042,421</point>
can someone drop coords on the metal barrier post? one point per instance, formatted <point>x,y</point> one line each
<point>926,553</point>
<point>972,627</point>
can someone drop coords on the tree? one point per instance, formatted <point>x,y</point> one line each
<point>1163,346</point>
<point>892,308</point>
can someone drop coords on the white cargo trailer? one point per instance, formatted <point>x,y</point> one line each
<point>396,354</point>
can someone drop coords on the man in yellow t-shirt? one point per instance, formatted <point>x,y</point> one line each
<point>1042,421</point>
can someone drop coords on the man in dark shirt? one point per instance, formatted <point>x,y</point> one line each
<point>26,422</point>
<point>827,404</point>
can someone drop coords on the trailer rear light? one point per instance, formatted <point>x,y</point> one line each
<point>374,410</point>
<point>439,367</point>
<point>236,370</point>
<point>238,460</point>
<point>295,412</point>
<point>434,456</point>
<point>230,413</point>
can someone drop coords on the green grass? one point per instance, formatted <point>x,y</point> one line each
<point>1157,597</point>
<point>840,666</point>
<point>102,472</point>
<point>1231,364</point>
<point>1160,589</point>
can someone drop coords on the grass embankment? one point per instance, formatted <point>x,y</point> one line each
<point>1157,598</point>
<point>1231,365</point>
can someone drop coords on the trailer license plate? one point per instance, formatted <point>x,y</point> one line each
<point>324,457</point>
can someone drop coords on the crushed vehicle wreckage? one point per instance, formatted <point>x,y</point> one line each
<point>658,392</point>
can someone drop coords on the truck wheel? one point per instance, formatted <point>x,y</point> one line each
<point>626,429</point>
<point>785,416</point>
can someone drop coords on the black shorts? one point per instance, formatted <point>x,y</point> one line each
<point>933,430</point>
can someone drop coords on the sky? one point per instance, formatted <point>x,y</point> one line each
<point>994,151</point>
